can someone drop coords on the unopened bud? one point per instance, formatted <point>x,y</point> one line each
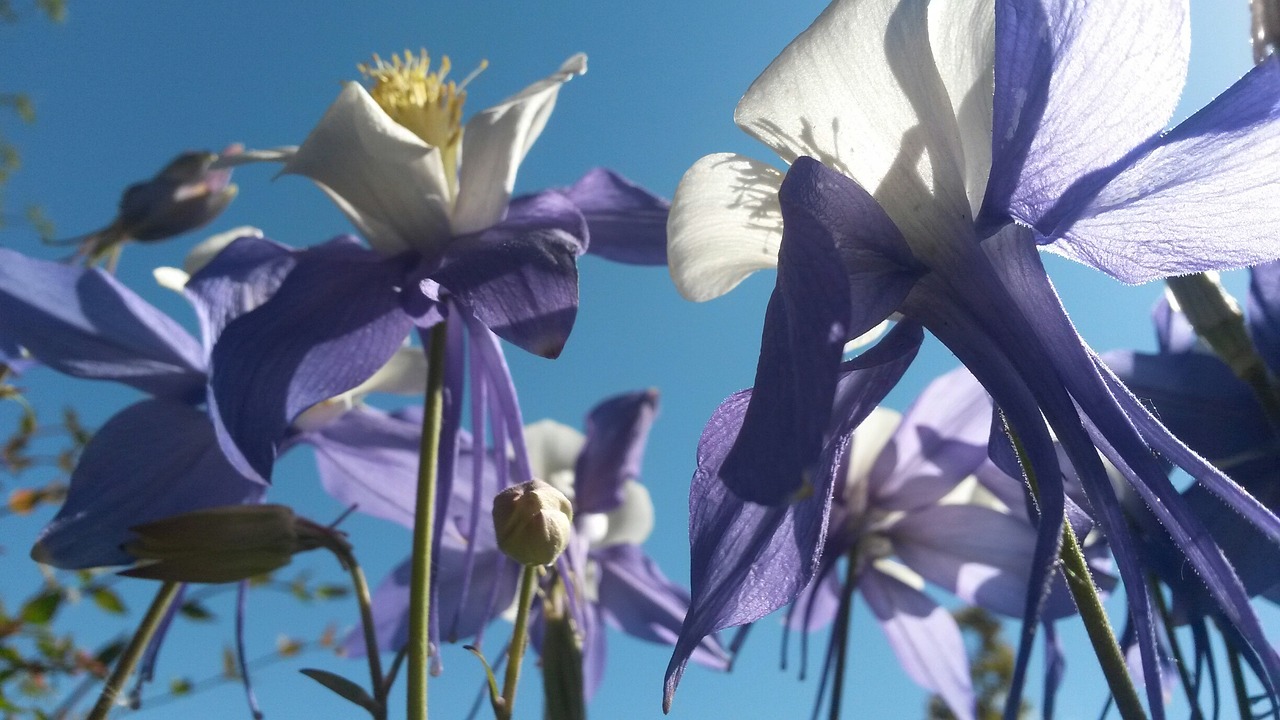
<point>223,544</point>
<point>532,522</point>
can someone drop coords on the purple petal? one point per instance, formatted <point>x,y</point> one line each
<point>842,268</point>
<point>154,459</point>
<point>942,439</point>
<point>1139,226</point>
<point>748,559</point>
<point>1201,401</point>
<point>368,459</point>
<point>627,223</point>
<point>520,276</point>
<point>84,323</point>
<point>635,596</point>
<point>617,430</point>
<point>924,637</point>
<point>236,280</point>
<point>335,320</point>
<point>1174,333</point>
<point>1056,119</point>
<point>1264,312</point>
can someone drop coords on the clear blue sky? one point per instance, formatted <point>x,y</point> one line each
<point>121,87</point>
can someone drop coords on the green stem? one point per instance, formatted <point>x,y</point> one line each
<point>1237,684</point>
<point>365,601</point>
<point>1075,568</point>
<point>424,526</point>
<point>519,639</point>
<point>133,653</point>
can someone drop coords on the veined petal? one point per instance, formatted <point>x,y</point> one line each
<point>617,431</point>
<point>84,323</point>
<point>387,181</point>
<point>859,91</point>
<point>725,224</point>
<point>304,346</point>
<point>963,36</point>
<point>1138,227</point>
<point>150,461</point>
<point>1057,118</point>
<point>636,597</point>
<point>235,281</point>
<point>494,144</point>
<point>520,277</point>
<point>924,637</point>
<point>628,224</point>
<point>369,459</point>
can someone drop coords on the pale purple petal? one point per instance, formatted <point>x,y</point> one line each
<point>635,596</point>
<point>336,319</point>
<point>924,637</point>
<point>152,460</point>
<point>84,323</point>
<point>1138,226</point>
<point>368,459</point>
<point>520,277</point>
<point>617,431</point>
<point>1057,119</point>
<point>1264,312</point>
<point>628,224</point>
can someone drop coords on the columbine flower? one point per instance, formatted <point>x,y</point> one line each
<point>433,199</point>
<point>187,194</point>
<point>931,149</point>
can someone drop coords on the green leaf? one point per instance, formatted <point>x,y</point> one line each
<point>331,592</point>
<point>108,600</point>
<point>194,610</point>
<point>495,697</point>
<point>180,686</point>
<point>41,609</point>
<point>344,687</point>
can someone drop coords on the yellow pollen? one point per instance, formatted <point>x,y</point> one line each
<point>422,101</point>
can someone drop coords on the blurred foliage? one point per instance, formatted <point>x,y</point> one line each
<point>991,662</point>
<point>20,106</point>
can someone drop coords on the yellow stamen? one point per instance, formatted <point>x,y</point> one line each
<point>422,101</point>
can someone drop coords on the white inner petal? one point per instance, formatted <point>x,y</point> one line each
<point>630,523</point>
<point>553,448</point>
<point>963,36</point>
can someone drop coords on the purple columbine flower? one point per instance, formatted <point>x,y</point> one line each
<point>611,579</point>
<point>932,150</point>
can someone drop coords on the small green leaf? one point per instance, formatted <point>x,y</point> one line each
<point>180,686</point>
<point>495,697</point>
<point>108,600</point>
<point>331,592</point>
<point>343,687</point>
<point>41,609</point>
<point>194,610</point>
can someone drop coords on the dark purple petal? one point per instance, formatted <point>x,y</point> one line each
<point>335,320</point>
<point>1264,312</point>
<point>1138,227</point>
<point>236,280</point>
<point>617,430</point>
<point>942,439</point>
<point>520,276</point>
<point>635,596</point>
<point>806,325</point>
<point>154,459</point>
<point>1201,401</point>
<point>1174,333</point>
<point>627,223</point>
<point>1055,119</point>
<point>84,323</point>
<point>748,559</point>
<point>924,637</point>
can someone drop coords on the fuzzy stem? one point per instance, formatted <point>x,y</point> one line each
<point>424,527</point>
<point>365,601</point>
<point>519,639</point>
<point>133,653</point>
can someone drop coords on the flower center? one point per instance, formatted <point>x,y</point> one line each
<point>422,101</point>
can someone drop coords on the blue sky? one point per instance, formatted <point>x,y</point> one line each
<point>119,88</point>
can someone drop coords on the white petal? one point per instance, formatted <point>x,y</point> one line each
<point>250,157</point>
<point>632,521</point>
<point>206,249</point>
<point>963,36</point>
<point>859,91</point>
<point>404,374</point>
<point>495,142</point>
<point>869,440</point>
<point>725,224</point>
<point>553,448</point>
<point>170,278</point>
<point>386,179</point>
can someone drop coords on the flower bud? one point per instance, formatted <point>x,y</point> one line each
<point>532,522</point>
<point>223,544</point>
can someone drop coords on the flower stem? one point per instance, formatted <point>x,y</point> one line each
<point>424,527</point>
<point>365,601</point>
<point>519,639</point>
<point>1075,568</point>
<point>133,653</point>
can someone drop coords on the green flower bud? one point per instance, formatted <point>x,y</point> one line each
<point>223,544</point>
<point>533,522</point>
